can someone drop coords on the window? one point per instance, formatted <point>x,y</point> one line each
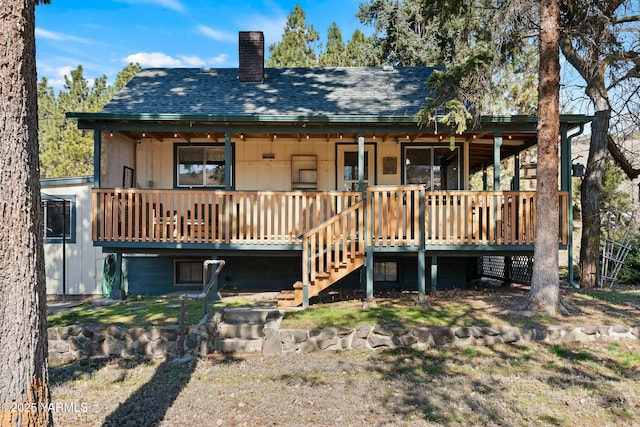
<point>188,272</point>
<point>437,168</point>
<point>59,218</point>
<point>200,166</point>
<point>385,271</point>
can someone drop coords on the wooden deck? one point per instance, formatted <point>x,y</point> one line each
<point>388,217</point>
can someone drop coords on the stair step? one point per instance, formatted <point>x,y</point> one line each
<point>249,315</point>
<point>238,345</point>
<point>241,331</point>
<point>322,275</point>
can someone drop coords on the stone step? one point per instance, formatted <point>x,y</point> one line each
<point>237,345</point>
<point>243,331</point>
<point>250,315</point>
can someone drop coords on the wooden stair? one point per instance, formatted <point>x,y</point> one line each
<point>330,252</point>
<point>323,280</point>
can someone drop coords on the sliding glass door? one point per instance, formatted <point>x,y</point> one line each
<point>437,168</point>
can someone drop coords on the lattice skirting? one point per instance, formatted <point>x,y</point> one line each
<point>507,268</point>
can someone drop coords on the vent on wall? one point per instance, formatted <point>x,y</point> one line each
<point>251,56</point>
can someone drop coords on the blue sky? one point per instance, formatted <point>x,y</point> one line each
<point>104,35</point>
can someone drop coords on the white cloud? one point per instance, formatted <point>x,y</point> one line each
<point>271,26</point>
<point>162,60</point>
<point>220,59</point>
<point>153,59</point>
<point>216,34</point>
<point>55,36</point>
<point>64,71</point>
<point>169,4</point>
<point>192,61</point>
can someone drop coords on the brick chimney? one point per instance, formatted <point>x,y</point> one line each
<point>251,56</point>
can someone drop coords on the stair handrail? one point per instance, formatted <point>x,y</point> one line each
<point>207,286</point>
<point>310,238</point>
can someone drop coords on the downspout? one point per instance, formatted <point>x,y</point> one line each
<point>570,197</point>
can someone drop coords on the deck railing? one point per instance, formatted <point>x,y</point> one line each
<point>187,216</point>
<point>392,217</point>
<point>454,218</point>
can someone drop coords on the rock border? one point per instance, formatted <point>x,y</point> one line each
<point>75,342</point>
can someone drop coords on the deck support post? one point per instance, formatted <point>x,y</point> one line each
<point>369,266</point>
<point>227,161</point>
<point>361,162</point>
<point>508,271</point>
<point>485,185</point>
<point>97,149</point>
<point>516,173</point>
<point>305,295</point>
<point>422,274</point>
<point>497,143</point>
<point>434,273</point>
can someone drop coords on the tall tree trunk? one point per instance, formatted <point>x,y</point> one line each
<point>23,334</point>
<point>544,295</point>
<point>590,197</point>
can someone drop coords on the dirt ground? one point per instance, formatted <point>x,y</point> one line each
<point>595,384</point>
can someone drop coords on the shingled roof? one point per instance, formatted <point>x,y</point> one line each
<point>306,92</point>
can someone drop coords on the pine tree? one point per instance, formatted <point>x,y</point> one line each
<point>298,45</point>
<point>64,149</point>
<point>23,325</point>
<point>335,54</point>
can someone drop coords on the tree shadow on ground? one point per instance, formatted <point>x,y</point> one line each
<point>158,394</point>
<point>60,373</point>
<point>156,397</point>
<point>443,386</point>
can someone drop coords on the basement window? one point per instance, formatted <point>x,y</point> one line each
<point>188,272</point>
<point>385,271</point>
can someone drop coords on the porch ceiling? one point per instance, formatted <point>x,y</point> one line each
<point>518,132</point>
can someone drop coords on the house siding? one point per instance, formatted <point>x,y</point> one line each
<point>84,262</point>
<point>153,275</point>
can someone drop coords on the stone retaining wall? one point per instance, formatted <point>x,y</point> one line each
<point>75,342</point>
<point>380,337</point>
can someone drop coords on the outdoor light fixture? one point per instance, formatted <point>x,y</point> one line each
<point>578,170</point>
<point>452,142</point>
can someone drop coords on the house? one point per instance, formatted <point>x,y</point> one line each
<point>73,264</point>
<point>305,179</point>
